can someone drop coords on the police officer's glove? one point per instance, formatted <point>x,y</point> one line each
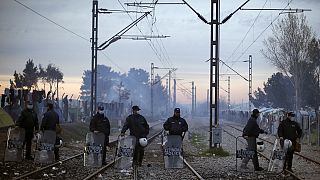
<point>107,148</point>
<point>265,132</point>
<point>96,132</point>
<point>122,134</point>
<point>36,136</point>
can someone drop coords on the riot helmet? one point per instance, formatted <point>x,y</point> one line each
<point>58,143</point>
<point>287,144</point>
<point>143,142</point>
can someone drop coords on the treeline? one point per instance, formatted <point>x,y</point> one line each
<point>32,75</point>
<point>294,49</point>
<point>128,88</point>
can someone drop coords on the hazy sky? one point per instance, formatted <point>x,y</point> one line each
<point>25,35</point>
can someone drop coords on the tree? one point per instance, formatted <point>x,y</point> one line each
<point>18,80</point>
<point>160,96</point>
<point>259,98</point>
<point>137,81</point>
<point>279,91</point>
<point>86,86</point>
<point>30,75</point>
<point>288,47</point>
<point>311,90</point>
<point>53,75</point>
<point>106,84</point>
<point>42,75</point>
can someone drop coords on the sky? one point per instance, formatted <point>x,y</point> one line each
<point>26,35</point>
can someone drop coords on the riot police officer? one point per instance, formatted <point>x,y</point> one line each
<point>250,132</point>
<point>139,128</point>
<point>50,121</point>
<point>176,125</point>
<point>29,121</point>
<point>289,129</point>
<point>100,124</point>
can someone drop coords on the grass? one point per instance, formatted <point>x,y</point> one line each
<point>74,131</point>
<point>200,142</point>
<point>215,152</point>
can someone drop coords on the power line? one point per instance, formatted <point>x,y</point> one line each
<point>235,50</point>
<point>151,44</point>
<point>262,33</point>
<point>161,45</point>
<point>51,21</point>
<point>68,30</point>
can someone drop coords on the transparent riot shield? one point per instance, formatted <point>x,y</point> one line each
<point>125,152</point>
<point>45,147</point>
<point>15,142</point>
<point>244,154</point>
<point>173,152</point>
<point>277,158</point>
<point>93,149</point>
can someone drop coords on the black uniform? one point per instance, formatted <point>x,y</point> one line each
<point>291,130</point>
<point>29,121</point>
<point>252,130</point>
<point>50,121</point>
<point>139,128</point>
<point>101,123</point>
<point>176,125</point>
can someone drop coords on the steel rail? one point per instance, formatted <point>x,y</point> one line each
<point>48,166</point>
<point>111,163</point>
<point>298,154</point>
<point>193,170</point>
<point>286,171</point>
<point>112,143</point>
<point>100,170</point>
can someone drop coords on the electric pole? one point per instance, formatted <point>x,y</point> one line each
<point>174,93</point>
<point>169,104</point>
<point>167,107</point>
<point>192,102</point>
<point>214,65</point>
<point>195,100</point>
<point>250,82</point>
<point>229,93</point>
<point>151,89</point>
<point>94,56</point>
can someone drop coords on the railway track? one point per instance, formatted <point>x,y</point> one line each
<point>75,170</point>
<point>302,175</point>
<point>265,140</point>
<point>99,171</point>
<point>71,163</point>
<point>153,167</point>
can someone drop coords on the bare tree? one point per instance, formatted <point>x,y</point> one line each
<point>287,48</point>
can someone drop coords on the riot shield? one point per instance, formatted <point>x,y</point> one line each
<point>125,152</point>
<point>15,142</point>
<point>45,147</point>
<point>245,154</point>
<point>277,158</point>
<point>173,152</point>
<point>93,149</point>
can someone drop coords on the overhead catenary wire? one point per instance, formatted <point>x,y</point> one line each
<point>48,19</point>
<point>244,37</point>
<point>70,31</point>
<point>161,45</point>
<point>238,59</point>
<point>151,44</point>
